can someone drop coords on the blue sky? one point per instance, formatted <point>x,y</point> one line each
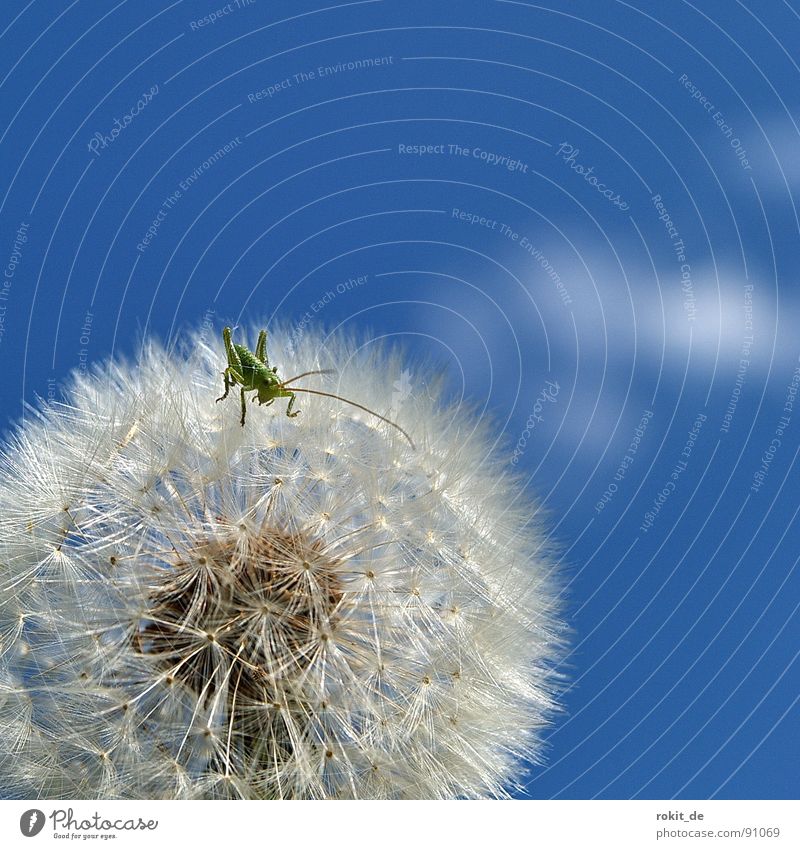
<point>601,195</point>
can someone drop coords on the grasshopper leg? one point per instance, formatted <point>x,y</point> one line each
<point>261,347</point>
<point>244,406</point>
<point>289,412</point>
<point>227,386</point>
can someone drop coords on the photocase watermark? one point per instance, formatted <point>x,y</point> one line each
<point>780,429</point>
<point>488,157</point>
<point>678,469</point>
<point>208,335</point>
<point>100,141</point>
<point>161,216</point>
<point>318,73</point>
<point>744,360</point>
<point>687,286</point>
<point>503,160</point>
<point>198,172</point>
<point>476,219</point>
<point>719,119</point>
<point>320,303</point>
<point>86,332</point>
<point>548,395</point>
<point>212,17</point>
<point>207,326</point>
<point>32,822</point>
<point>183,186</point>
<point>65,824</point>
<point>527,245</point>
<point>627,461</point>
<point>10,272</point>
<point>569,155</point>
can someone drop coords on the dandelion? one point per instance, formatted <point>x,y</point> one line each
<point>297,608</point>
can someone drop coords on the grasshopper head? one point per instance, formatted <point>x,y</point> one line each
<point>268,389</point>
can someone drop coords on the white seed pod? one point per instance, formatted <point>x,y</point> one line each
<point>296,608</point>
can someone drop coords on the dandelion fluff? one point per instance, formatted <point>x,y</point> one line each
<point>297,608</point>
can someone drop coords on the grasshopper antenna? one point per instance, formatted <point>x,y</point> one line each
<point>307,373</point>
<point>360,407</point>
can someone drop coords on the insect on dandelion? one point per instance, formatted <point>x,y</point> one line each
<point>304,607</point>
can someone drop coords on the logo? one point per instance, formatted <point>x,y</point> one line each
<point>31,822</point>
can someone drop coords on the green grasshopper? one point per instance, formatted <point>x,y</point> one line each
<point>253,372</point>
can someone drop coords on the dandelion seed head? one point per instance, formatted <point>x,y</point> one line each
<point>297,608</point>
